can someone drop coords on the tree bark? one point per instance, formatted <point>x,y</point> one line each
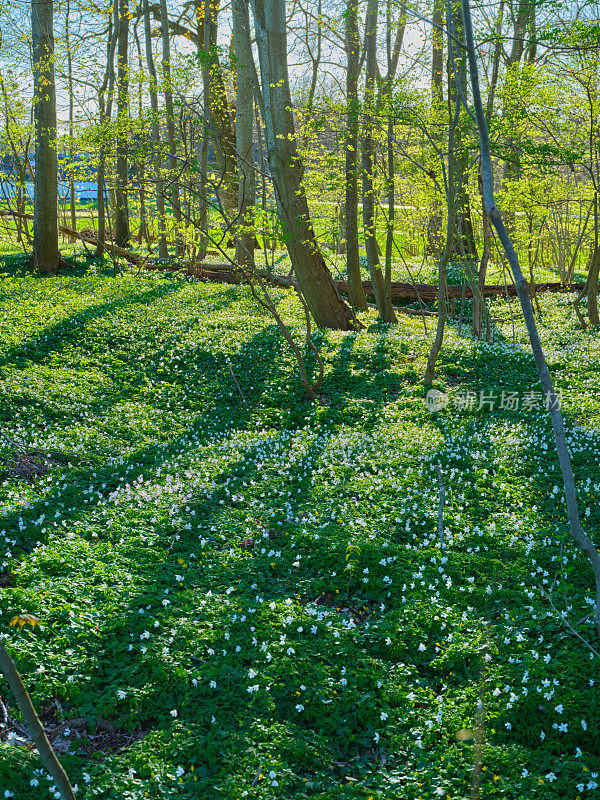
<point>163,251</point>
<point>384,305</point>
<point>434,224</point>
<point>577,532</point>
<point>314,279</point>
<point>170,127</point>
<point>46,255</point>
<point>244,126</point>
<point>463,245</point>
<point>34,726</point>
<point>105,99</point>
<point>357,295</point>
<point>392,63</point>
<point>221,127</point>
<point>71,112</point>
<point>122,234</point>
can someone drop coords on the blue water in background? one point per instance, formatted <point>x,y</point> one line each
<point>85,191</point>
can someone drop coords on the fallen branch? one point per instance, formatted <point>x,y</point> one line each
<point>226,273</point>
<point>87,237</point>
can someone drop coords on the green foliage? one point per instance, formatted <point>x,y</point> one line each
<point>196,559</point>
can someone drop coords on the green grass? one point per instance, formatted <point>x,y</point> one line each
<point>271,571</point>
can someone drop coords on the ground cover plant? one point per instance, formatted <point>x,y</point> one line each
<point>250,599</point>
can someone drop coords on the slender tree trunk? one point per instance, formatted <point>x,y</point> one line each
<point>46,256</point>
<point>202,223</point>
<point>105,106</point>
<point>392,62</point>
<point>314,279</point>
<point>478,300</point>
<point>447,254</point>
<point>434,225</point>
<point>495,64</point>
<point>217,108</point>
<point>355,287</point>
<point>512,165</point>
<point>244,126</point>
<point>592,288</point>
<point>122,234</point>
<point>71,111</point>
<point>384,304</point>
<point>143,234</point>
<point>163,251</point>
<point>170,127</point>
<point>34,725</point>
<point>577,532</point>
<point>463,246</point>
<point>315,61</point>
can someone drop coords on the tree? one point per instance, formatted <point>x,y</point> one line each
<point>357,292</point>
<point>221,128</point>
<point>46,255</point>
<point>463,245</point>
<point>314,279</point>
<point>244,125</point>
<point>170,126</point>
<point>384,303</point>
<point>155,136</point>
<point>564,458</point>
<point>122,178</point>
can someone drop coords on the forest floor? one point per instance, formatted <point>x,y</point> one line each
<point>249,599</point>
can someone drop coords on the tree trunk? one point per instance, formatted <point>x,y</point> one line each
<point>221,127</point>
<point>576,529</point>
<point>314,279</point>
<point>478,301</point>
<point>434,224</point>
<point>244,126</point>
<point>71,103</point>
<point>592,288</point>
<point>163,251</point>
<point>34,726</point>
<point>122,234</point>
<point>512,165</point>
<point>46,256</point>
<point>463,245</point>
<point>384,305</point>
<point>170,127</point>
<point>450,235</point>
<point>392,63</point>
<point>105,107</point>
<point>357,294</point>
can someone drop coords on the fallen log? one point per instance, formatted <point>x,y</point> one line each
<point>404,291</point>
<point>426,291</point>
<point>227,273</point>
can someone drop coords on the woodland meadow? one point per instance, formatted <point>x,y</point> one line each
<point>299,399</point>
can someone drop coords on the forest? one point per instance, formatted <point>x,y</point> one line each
<point>299,399</point>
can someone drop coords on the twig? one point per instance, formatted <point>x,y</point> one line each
<point>309,341</point>
<point>257,776</point>
<point>235,380</point>
<point>568,624</point>
<point>4,713</point>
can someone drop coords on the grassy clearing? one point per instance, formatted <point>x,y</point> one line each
<point>250,600</point>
